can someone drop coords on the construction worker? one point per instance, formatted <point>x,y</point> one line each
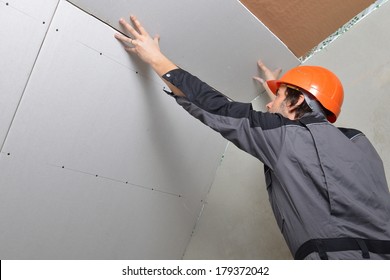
<point>326,185</point>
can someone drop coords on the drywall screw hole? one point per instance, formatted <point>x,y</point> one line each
<point>8,154</point>
<point>44,22</point>
<point>63,166</point>
<point>127,182</point>
<point>101,53</point>
<point>96,175</point>
<point>57,29</point>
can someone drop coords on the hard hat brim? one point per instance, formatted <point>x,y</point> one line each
<point>274,85</point>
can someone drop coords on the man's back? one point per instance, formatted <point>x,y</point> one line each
<point>328,183</point>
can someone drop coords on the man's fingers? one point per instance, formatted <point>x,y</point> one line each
<point>123,38</point>
<point>277,72</point>
<point>129,28</point>
<point>269,75</point>
<point>260,63</point>
<point>157,39</point>
<point>260,80</point>
<point>131,49</point>
<point>138,25</point>
<point>126,41</point>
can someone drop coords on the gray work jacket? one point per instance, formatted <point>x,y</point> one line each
<point>322,181</point>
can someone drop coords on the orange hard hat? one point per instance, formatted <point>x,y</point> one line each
<point>319,82</point>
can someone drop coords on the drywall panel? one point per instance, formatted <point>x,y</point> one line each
<point>53,213</point>
<point>91,112</point>
<point>303,24</point>
<point>219,40</point>
<point>361,58</point>
<point>23,24</point>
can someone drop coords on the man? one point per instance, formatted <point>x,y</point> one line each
<point>326,185</point>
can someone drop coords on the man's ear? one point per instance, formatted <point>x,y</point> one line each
<point>299,102</point>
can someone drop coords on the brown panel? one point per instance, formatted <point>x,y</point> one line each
<point>303,24</point>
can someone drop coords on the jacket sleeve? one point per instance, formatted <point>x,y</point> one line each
<point>258,133</point>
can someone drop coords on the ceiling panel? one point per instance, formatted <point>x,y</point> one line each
<point>303,24</point>
<point>219,40</point>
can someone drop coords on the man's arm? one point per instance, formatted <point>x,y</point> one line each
<point>147,49</point>
<point>235,121</point>
<point>268,75</point>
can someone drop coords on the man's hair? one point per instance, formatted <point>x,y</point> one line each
<point>292,97</point>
